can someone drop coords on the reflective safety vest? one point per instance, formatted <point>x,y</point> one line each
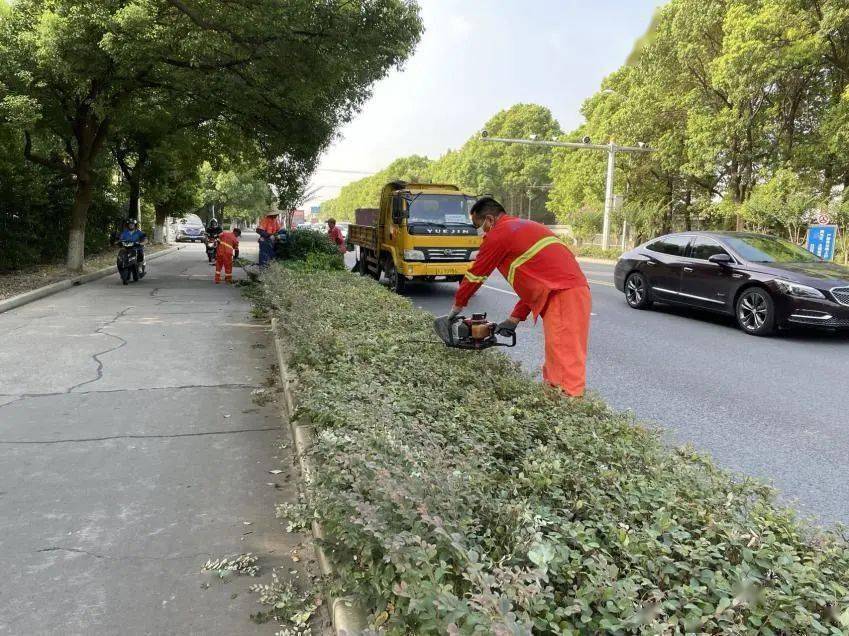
<point>531,257</point>
<point>229,241</point>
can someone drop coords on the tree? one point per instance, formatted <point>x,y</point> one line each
<point>238,193</point>
<point>727,92</point>
<point>69,68</point>
<point>365,193</point>
<point>511,172</point>
<point>783,203</point>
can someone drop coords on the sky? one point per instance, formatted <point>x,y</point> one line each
<point>475,58</point>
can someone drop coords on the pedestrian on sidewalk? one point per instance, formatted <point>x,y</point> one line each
<point>228,249</point>
<point>267,229</point>
<point>549,283</point>
<point>335,234</point>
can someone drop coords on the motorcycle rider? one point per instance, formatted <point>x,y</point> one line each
<point>213,231</point>
<point>132,232</point>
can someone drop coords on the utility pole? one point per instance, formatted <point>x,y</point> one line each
<point>611,149</point>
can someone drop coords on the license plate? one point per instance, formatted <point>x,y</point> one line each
<point>445,271</point>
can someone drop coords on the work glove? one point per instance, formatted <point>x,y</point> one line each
<point>506,328</point>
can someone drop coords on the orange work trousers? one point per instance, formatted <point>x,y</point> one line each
<point>223,260</point>
<point>566,325</point>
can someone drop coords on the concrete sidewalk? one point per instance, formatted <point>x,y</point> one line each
<point>131,451</point>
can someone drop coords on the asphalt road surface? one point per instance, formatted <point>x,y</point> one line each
<point>773,408</point>
<point>131,451</point>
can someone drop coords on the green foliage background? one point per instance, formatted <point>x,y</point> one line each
<point>184,105</point>
<point>741,100</point>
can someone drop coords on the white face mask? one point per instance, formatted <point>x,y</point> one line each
<point>481,231</point>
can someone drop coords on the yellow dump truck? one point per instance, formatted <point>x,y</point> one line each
<point>421,232</point>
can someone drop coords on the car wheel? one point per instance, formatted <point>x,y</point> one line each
<point>637,292</point>
<point>397,282</point>
<point>756,312</point>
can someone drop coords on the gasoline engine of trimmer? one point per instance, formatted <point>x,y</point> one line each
<point>475,333</point>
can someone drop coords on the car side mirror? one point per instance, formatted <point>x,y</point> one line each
<point>721,259</point>
<point>398,211</point>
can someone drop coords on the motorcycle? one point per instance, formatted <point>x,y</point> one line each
<point>128,262</point>
<point>211,249</point>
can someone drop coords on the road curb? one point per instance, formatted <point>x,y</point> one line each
<point>54,288</point>
<point>347,616</point>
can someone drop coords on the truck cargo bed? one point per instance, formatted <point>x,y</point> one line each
<point>363,235</point>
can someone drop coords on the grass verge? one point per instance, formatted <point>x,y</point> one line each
<point>462,497</point>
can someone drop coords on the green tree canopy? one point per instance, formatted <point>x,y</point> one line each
<point>284,73</point>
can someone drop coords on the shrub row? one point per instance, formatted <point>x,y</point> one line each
<point>463,497</point>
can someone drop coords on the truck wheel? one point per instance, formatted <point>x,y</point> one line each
<point>362,266</point>
<point>397,282</point>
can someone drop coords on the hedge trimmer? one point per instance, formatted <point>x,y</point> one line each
<point>475,333</point>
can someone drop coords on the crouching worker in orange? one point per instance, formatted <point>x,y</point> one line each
<point>549,283</point>
<point>228,249</point>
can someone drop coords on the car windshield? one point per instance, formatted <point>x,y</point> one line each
<point>440,209</point>
<point>767,249</point>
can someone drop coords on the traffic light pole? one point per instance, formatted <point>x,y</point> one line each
<point>611,150</point>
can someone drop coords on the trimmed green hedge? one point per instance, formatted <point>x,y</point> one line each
<point>463,497</point>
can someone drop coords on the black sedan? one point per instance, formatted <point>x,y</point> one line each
<point>766,283</point>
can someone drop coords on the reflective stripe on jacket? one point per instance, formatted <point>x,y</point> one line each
<point>229,240</point>
<point>531,257</point>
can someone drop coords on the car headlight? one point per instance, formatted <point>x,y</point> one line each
<point>414,255</point>
<point>800,291</point>
<point>474,255</point>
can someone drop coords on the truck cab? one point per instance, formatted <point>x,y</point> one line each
<point>421,232</point>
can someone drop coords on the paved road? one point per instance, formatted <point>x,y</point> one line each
<point>131,451</point>
<point>774,408</point>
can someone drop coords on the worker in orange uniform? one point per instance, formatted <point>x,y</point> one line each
<point>267,230</point>
<point>549,283</point>
<point>228,249</point>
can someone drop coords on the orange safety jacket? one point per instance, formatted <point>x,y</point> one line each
<point>531,257</point>
<point>270,224</point>
<point>229,241</point>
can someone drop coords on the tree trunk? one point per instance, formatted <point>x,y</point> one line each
<point>159,236</point>
<point>76,232</point>
<point>134,208</point>
<point>670,209</point>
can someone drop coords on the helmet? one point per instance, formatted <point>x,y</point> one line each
<point>213,222</point>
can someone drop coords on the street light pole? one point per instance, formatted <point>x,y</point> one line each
<point>611,149</point>
<point>608,196</point>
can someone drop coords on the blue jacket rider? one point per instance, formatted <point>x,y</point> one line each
<point>134,234</point>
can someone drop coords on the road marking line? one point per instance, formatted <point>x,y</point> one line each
<point>511,293</point>
<point>503,291</point>
<point>601,282</point>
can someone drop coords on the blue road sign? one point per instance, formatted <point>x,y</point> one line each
<point>821,240</point>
